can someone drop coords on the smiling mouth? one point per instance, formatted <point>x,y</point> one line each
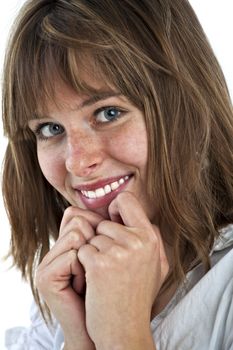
<point>103,191</point>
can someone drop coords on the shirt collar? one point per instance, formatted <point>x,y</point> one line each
<point>225,240</point>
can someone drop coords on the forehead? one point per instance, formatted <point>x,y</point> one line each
<point>65,96</point>
<point>87,86</point>
<point>55,85</point>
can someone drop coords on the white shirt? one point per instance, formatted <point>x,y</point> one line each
<point>198,317</point>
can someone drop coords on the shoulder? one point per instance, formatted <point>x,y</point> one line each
<point>203,318</point>
<point>37,336</point>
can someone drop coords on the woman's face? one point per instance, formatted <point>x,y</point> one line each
<point>92,148</point>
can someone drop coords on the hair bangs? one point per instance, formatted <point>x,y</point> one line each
<point>34,80</point>
<point>41,54</point>
<point>54,45</point>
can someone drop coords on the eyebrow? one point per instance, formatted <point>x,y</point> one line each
<point>99,96</point>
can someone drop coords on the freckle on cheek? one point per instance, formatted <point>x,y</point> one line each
<point>51,170</point>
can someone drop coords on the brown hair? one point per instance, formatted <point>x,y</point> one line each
<point>155,53</point>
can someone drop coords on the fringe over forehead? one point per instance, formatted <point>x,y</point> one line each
<point>64,39</point>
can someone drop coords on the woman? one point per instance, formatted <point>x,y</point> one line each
<point>120,151</point>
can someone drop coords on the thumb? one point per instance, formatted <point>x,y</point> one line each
<point>78,277</point>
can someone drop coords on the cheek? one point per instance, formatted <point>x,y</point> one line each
<point>130,146</point>
<point>52,167</point>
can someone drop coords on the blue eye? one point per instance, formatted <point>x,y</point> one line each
<point>107,114</point>
<point>48,130</point>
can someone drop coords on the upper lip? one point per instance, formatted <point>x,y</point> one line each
<point>98,184</point>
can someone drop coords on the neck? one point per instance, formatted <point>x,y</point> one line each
<point>162,300</point>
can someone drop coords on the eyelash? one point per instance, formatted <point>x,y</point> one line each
<point>105,108</point>
<point>38,129</point>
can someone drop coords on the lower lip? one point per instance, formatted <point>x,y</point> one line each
<point>94,203</point>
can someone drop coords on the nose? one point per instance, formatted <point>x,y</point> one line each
<point>84,154</point>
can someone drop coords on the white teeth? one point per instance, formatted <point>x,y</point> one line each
<point>107,189</point>
<point>101,192</point>
<point>114,185</point>
<point>91,194</point>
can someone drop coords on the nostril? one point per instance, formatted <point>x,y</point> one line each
<point>93,166</point>
<point>81,167</point>
<point>83,158</point>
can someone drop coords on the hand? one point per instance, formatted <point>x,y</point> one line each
<point>125,267</point>
<point>60,276</point>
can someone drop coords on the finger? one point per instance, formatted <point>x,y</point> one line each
<point>72,240</point>
<point>129,209</point>
<point>127,237</point>
<point>59,272</point>
<point>78,224</point>
<point>78,274</point>
<point>87,255</point>
<point>117,232</point>
<point>70,212</point>
<point>102,243</point>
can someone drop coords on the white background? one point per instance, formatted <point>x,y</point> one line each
<point>15,296</point>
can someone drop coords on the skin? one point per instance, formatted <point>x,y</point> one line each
<point>109,263</point>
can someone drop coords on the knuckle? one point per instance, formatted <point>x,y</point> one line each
<point>81,253</point>
<point>94,240</point>
<point>70,211</point>
<point>72,255</point>
<point>75,238</point>
<point>79,220</point>
<point>119,253</point>
<point>101,263</point>
<point>102,226</point>
<point>124,196</point>
<point>136,243</point>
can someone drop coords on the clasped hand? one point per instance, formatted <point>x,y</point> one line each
<point>101,277</point>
